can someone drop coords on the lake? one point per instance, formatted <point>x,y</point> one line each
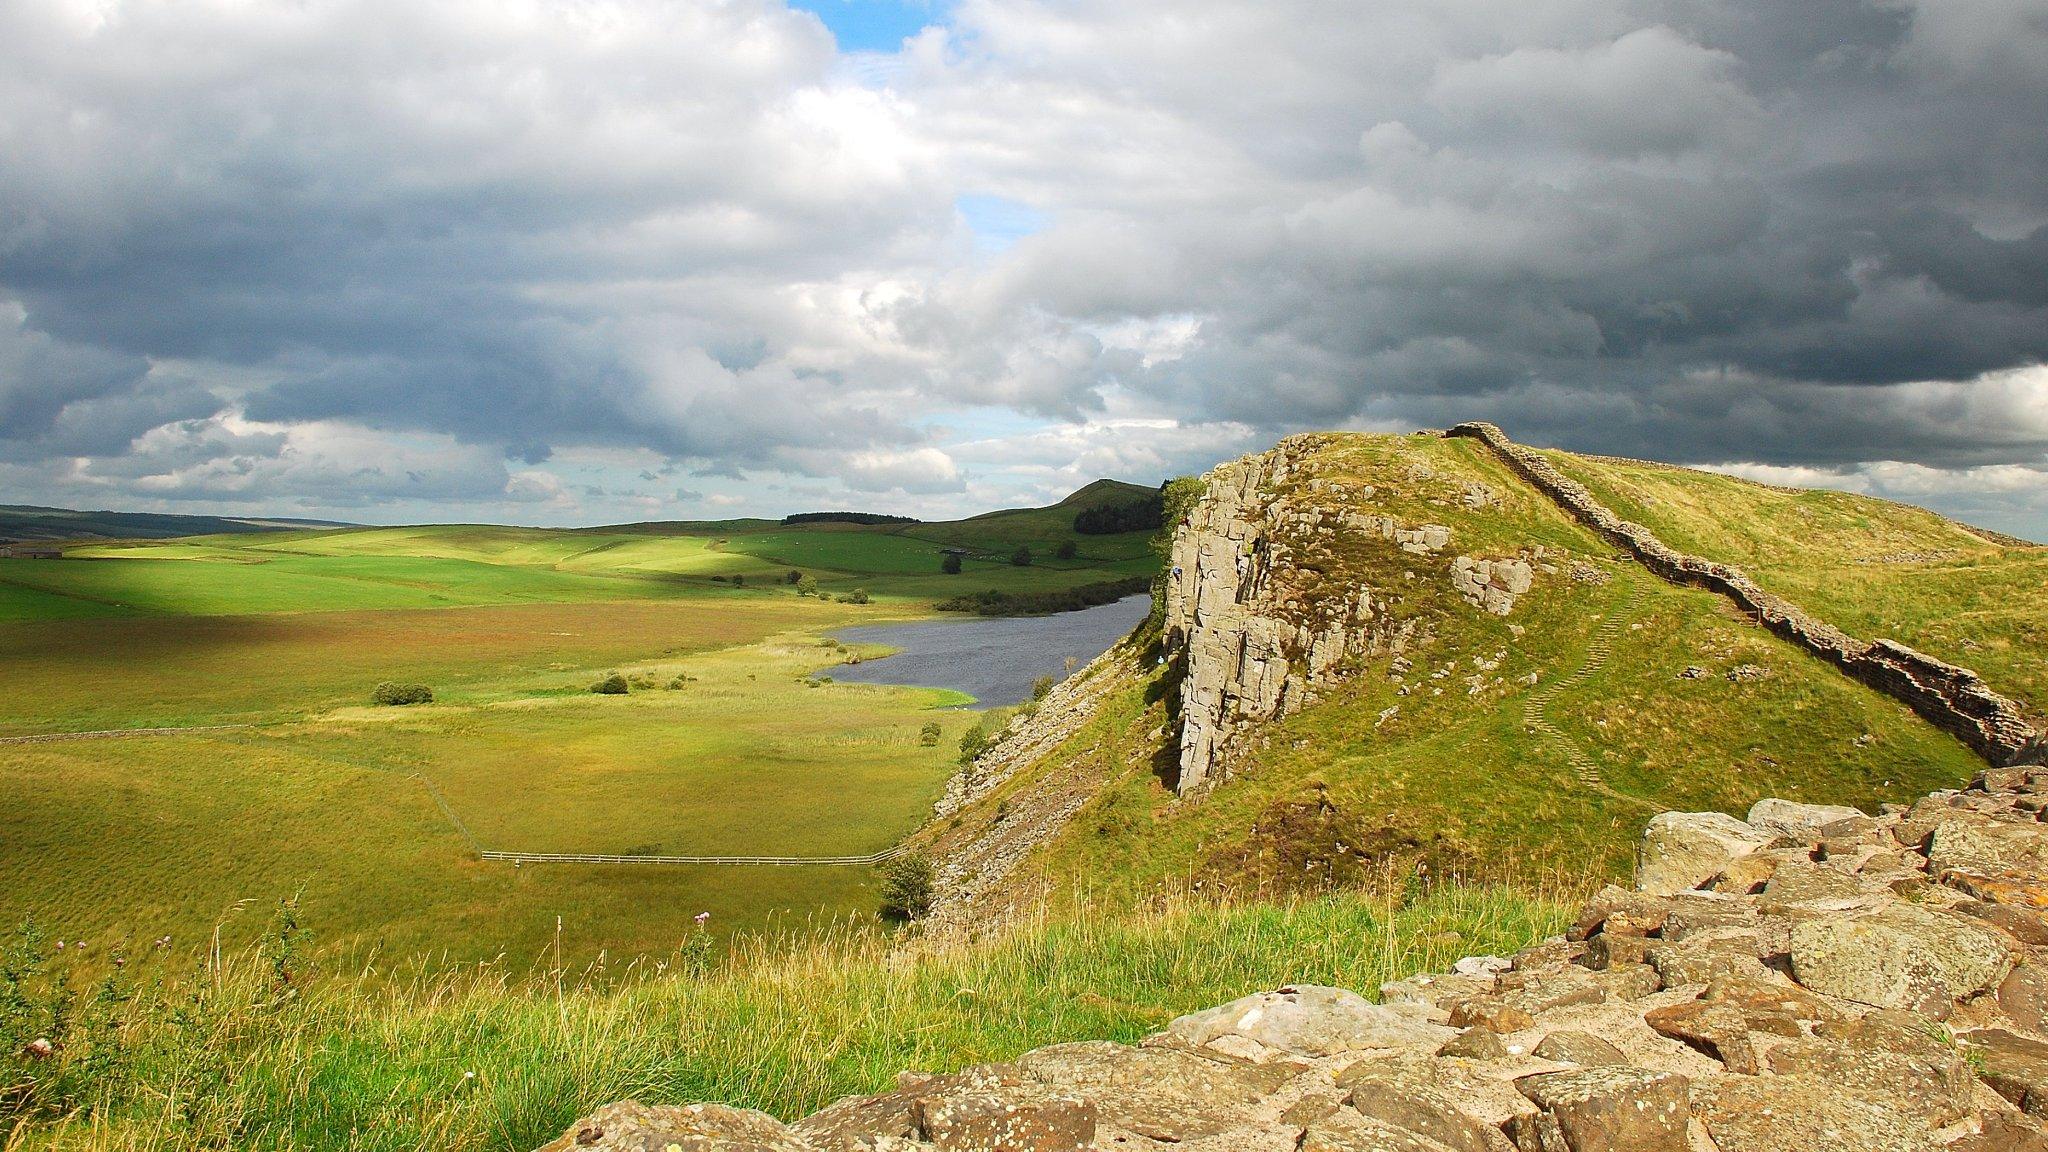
<point>991,658</point>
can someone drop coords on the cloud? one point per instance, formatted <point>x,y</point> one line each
<point>535,232</point>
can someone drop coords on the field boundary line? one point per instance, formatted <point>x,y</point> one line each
<point>623,858</point>
<point>110,733</point>
<point>516,858</point>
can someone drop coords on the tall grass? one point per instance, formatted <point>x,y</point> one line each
<point>249,1054</point>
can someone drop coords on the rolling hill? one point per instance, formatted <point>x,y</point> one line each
<point>1396,656</point>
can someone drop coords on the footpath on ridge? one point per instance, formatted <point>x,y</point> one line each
<point>1809,979</point>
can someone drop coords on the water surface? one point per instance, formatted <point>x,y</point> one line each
<point>991,658</point>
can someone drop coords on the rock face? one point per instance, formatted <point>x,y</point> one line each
<point>1252,615</point>
<point>1792,999</point>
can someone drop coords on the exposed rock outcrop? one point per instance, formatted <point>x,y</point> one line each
<point>1254,639</point>
<point>1952,698</point>
<point>1831,981</point>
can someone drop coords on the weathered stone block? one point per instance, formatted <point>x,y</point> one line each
<point>1683,850</point>
<point>1899,957</point>
<point>630,1126</point>
<point>1005,1122</point>
<point>1614,1109</point>
<point>1310,1020</point>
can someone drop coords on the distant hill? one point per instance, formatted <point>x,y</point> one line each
<point>20,522</point>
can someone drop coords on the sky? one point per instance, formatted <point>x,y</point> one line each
<point>569,263</point>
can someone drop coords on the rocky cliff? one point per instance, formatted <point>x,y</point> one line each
<point>1263,609</point>
<point>1809,978</point>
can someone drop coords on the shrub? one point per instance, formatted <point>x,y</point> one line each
<point>1040,687</point>
<point>974,742</point>
<point>612,685</point>
<point>391,693</point>
<point>807,586</point>
<point>857,596</point>
<point>1021,557</point>
<point>907,887</point>
<point>792,576</point>
<point>1066,550</point>
<point>928,736</point>
<point>739,581</point>
<point>951,564</point>
<point>675,683</point>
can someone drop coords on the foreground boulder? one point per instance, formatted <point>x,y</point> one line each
<point>1814,978</point>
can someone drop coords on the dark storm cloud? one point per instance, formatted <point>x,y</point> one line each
<point>1806,235</point>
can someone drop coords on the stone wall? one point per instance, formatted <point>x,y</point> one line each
<point>1952,698</point>
<point>1804,980</point>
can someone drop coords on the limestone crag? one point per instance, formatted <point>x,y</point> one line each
<point>1810,978</point>
<point>1953,698</point>
<point>1254,643</point>
<point>1492,584</point>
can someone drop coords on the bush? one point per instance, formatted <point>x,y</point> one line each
<point>928,736</point>
<point>1021,557</point>
<point>806,586</point>
<point>739,581</point>
<point>1040,687</point>
<point>951,564</point>
<point>792,576</point>
<point>390,693</point>
<point>907,887</point>
<point>857,596</point>
<point>1067,551</point>
<point>612,685</point>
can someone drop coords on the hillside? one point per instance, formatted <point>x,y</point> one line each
<point>19,522</point>
<point>1391,655</point>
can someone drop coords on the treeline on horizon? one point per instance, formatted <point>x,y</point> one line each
<point>994,602</point>
<point>1142,515</point>
<point>847,518</point>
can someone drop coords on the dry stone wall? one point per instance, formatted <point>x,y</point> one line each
<point>1952,698</point>
<point>1808,979</point>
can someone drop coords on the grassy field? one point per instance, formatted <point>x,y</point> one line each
<point>134,838</point>
<point>312,792</point>
<point>486,1061</point>
<point>1871,567</point>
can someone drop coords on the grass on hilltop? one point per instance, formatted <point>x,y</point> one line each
<point>1871,567</point>
<point>479,1060</point>
<point>1447,773</point>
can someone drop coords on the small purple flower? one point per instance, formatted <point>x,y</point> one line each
<point>701,917</point>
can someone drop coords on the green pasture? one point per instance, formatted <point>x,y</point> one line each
<point>133,838</point>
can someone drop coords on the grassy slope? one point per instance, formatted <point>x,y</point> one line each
<point>1871,567</point>
<point>476,1062</point>
<point>1455,778</point>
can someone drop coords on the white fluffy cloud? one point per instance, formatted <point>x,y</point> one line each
<point>243,244</point>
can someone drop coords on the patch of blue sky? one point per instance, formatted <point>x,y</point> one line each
<point>874,25</point>
<point>997,221</point>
